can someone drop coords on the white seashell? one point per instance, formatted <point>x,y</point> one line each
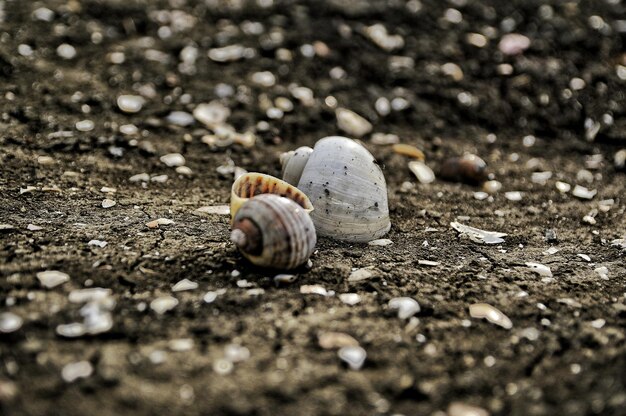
<point>540,269</point>
<point>345,185</point>
<point>352,355</point>
<point>273,231</point>
<point>405,306</point>
<point>490,313</point>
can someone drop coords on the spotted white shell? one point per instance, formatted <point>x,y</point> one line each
<point>273,231</point>
<point>346,187</point>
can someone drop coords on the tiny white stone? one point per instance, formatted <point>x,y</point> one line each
<point>211,114</point>
<point>350,298</point>
<point>223,366</point>
<point>33,227</point>
<point>159,221</point>
<point>227,53</point>
<point>283,279</point>
<point>354,356</point>
<point>9,322</point>
<point>584,193</point>
<point>66,51</point>
<point>361,274</point>
<point>540,269</point>
<point>264,78</point>
<point>130,103</point>
<point>140,177</point>
<point>513,195</point>
<point>215,210</point>
<point>85,125</point>
<point>380,242</point>
<point>428,263</point>
<point>72,330</point>
<point>563,187</point>
<point>603,272</point>
<point>352,123</point>
<point>513,44</point>
<point>422,172</point>
<point>180,344</point>
<point>44,14</point>
<point>540,178</point>
<point>180,118</point>
<point>73,371</point>
<point>163,304</point>
<point>52,278</point>
<point>98,243</point>
<point>598,323</point>
<point>159,178</point>
<point>183,285</point>
<point>184,170</point>
<point>316,290</point>
<point>108,203</point>
<point>584,257</point>
<point>236,353</point>
<point>405,306</point>
<point>173,159</point>
<point>93,294</point>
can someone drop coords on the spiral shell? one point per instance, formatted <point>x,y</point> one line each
<point>251,184</point>
<point>345,185</point>
<point>272,231</point>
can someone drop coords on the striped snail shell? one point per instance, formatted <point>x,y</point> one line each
<point>252,184</point>
<point>273,231</point>
<point>345,185</point>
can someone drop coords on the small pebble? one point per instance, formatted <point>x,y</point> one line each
<point>108,203</point>
<point>183,285</point>
<point>563,187</point>
<point>352,123</point>
<point>583,193</point>
<point>66,51</point>
<point>215,210</point>
<point>334,340</point>
<point>180,344</point>
<point>85,125</point>
<point>98,243</point>
<point>160,221</point>
<point>350,298</point>
<point>184,170</point>
<point>52,278</point>
<point>464,409</point>
<point>315,290</point>
<point>354,356</point>
<point>360,274</point>
<point>73,371</point>
<point>130,103</point>
<point>513,196</point>
<point>9,322</point>
<point>173,159</point>
<point>380,242</point>
<point>422,172</point>
<point>140,177</point>
<point>33,227</point>
<point>180,118</point>
<point>163,304</point>
<point>540,269</point>
<point>284,279</point>
<point>513,44</point>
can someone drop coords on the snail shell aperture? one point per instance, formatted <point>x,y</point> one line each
<point>345,185</point>
<point>251,184</point>
<point>272,231</point>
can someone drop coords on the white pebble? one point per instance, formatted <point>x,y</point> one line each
<point>354,356</point>
<point>173,159</point>
<point>360,274</point>
<point>66,51</point>
<point>9,322</point>
<point>352,123</point>
<point>183,285</point>
<point>380,242</point>
<point>52,278</point>
<point>163,304</point>
<point>85,125</point>
<point>73,371</point>
<point>350,298</point>
<point>130,103</point>
<point>584,193</point>
<point>108,203</point>
<point>513,44</point>
<point>140,177</point>
<point>98,243</point>
<point>540,269</point>
<point>513,195</point>
<point>180,118</point>
<point>563,187</point>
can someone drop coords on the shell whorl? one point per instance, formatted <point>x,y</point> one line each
<point>272,231</point>
<point>293,164</point>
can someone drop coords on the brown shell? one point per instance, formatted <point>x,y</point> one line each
<point>468,168</point>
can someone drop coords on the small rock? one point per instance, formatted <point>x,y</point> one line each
<point>85,125</point>
<point>184,170</point>
<point>405,306</point>
<point>493,315</point>
<point>45,160</point>
<point>33,227</point>
<point>140,177</point>
<point>350,298</point>
<point>513,196</point>
<point>236,353</point>
<point>163,304</point>
<point>563,187</point>
<point>180,118</point>
<point>160,221</point>
<point>66,51</point>
<point>380,242</point>
<point>540,269</point>
<point>284,279</point>
<point>354,356</point>
<point>73,371</point>
<point>183,285</point>
<point>98,243</point>
<point>228,53</point>
<point>603,272</point>
<point>463,409</point>
<point>173,159</point>
<point>513,44</point>
<point>583,193</point>
<point>215,210</point>
<point>108,203</point>
<point>315,290</point>
<point>52,278</point>
<point>93,294</point>
<point>130,103</point>
<point>379,35</point>
<point>352,123</point>
<point>180,344</point>
<point>428,263</point>
<point>361,274</point>
<point>211,114</point>
<point>9,322</point>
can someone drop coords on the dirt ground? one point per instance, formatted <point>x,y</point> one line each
<point>558,106</point>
